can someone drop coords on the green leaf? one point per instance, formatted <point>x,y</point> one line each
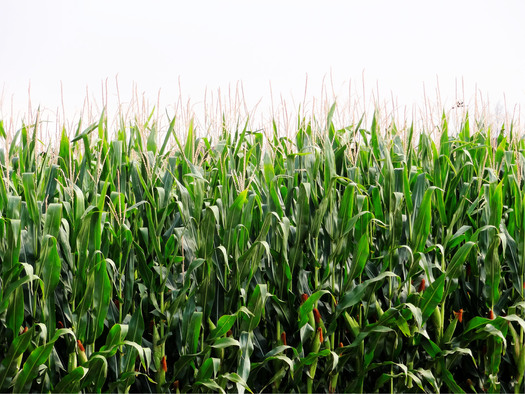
<point>496,206</point>
<point>28,180</point>
<point>493,271</point>
<point>3,190</point>
<point>15,310</point>
<point>151,144</point>
<point>144,353</point>
<point>235,378</point>
<point>455,267</point>
<point>416,313</point>
<point>421,229</point>
<point>360,258</point>
<point>209,368</point>
<point>134,334</point>
<point>50,266</point>
<point>302,221</point>
<point>329,166</point>
<point>374,137</point>
<point>243,370</point>
<point>71,382</point>
<point>97,373</point>
<point>448,378</point>
<point>85,133</point>
<point>429,377</point>
<point>225,323</point>
<point>256,306</point>
<point>355,295</point>
<point>31,368</point>
<point>53,220</point>
<point>8,366</point>
<point>308,306</point>
<point>222,343</point>
<point>234,216</point>
<point>431,347</point>
<point>194,331</point>
<point>116,335</point>
<point>101,296</point>
<point>210,384</point>
<point>13,224</point>
<point>312,357</point>
<point>432,296</point>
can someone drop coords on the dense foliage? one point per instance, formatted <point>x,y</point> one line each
<point>346,260</point>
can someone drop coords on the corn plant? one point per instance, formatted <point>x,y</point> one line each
<point>349,259</point>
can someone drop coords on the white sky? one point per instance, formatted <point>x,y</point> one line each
<point>396,46</point>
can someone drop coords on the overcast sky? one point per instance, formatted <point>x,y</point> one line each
<point>63,49</point>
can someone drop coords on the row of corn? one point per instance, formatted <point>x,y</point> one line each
<point>344,260</point>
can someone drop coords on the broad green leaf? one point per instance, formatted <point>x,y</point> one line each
<point>38,356</point>
<point>225,342</point>
<point>308,306</point>
<point>226,322</point>
<point>101,296</point>
<point>455,267</point>
<point>85,133</point>
<point>53,220</point>
<point>116,335</point>
<point>374,137</point>
<point>355,295</point>
<point>431,347</point>
<point>256,305</point>
<point>208,369</point>
<point>134,334</point>
<point>360,258</point>
<point>194,330</point>
<point>96,374</point>
<point>493,271</point>
<point>496,206</point>
<point>422,222</point>
<point>50,266</point>
<point>235,378</point>
<point>432,296</point>
<point>210,384</point>
<point>28,179</point>
<point>8,365</point>
<point>302,221</point>
<point>15,310</point>
<point>448,378</point>
<point>244,367</point>
<point>312,357</point>
<point>71,382</point>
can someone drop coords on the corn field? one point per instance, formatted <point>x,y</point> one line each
<point>350,260</point>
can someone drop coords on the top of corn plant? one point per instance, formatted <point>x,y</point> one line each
<point>338,260</point>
